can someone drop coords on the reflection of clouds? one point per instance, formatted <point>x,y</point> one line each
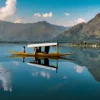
<point>42,73</point>
<point>65,77</point>
<point>45,74</point>
<point>16,63</point>
<point>35,74</point>
<point>79,69</point>
<point>5,77</point>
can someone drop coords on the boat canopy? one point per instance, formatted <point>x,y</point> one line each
<point>41,45</point>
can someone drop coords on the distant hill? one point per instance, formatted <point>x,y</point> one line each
<point>40,31</point>
<point>89,31</point>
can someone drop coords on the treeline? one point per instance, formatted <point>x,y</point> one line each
<point>82,44</point>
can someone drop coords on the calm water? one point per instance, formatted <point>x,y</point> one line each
<point>77,78</point>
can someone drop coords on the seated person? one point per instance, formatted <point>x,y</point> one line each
<point>36,50</point>
<point>23,50</point>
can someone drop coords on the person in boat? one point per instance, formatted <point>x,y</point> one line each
<point>23,50</point>
<point>36,50</point>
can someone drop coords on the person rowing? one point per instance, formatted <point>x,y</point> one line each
<point>23,50</point>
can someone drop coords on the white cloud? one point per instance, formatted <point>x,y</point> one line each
<point>37,15</point>
<point>47,15</point>
<point>8,10</point>
<point>80,20</point>
<point>67,14</point>
<point>75,22</point>
<point>19,21</point>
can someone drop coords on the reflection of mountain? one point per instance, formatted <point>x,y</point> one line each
<point>95,72</point>
<point>5,77</point>
<point>89,58</point>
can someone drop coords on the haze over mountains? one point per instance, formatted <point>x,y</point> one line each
<point>40,31</point>
<point>89,31</point>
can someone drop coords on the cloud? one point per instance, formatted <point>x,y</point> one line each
<point>8,10</point>
<point>67,14</point>
<point>19,21</point>
<point>37,15</point>
<point>80,20</point>
<point>47,15</point>
<point>75,22</point>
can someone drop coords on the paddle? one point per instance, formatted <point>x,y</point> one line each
<point>11,51</point>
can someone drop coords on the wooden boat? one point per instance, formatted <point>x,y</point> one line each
<point>41,54</point>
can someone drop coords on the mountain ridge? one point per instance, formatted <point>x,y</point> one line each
<point>41,30</point>
<point>89,31</point>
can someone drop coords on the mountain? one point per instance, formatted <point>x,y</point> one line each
<point>89,31</point>
<point>40,31</point>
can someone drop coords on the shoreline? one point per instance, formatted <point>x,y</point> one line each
<point>64,44</point>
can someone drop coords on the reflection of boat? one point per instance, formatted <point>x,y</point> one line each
<point>37,61</point>
<point>42,54</point>
<point>53,58</point>
<point>45,64</point>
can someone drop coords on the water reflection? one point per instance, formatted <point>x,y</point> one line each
<point>75,79</point>
<point>44,66</point>
<point>5,77</point>
<point>90,58</point>
<point>43,63</point>
<point>42,73</point>
<point>79,69</point>
<point>95,72</point>
<point>82,59</point>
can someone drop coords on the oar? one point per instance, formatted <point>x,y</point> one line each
<point>67,59</point>
<point>11,51</point>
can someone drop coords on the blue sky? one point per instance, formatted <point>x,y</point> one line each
<point>60,12</point>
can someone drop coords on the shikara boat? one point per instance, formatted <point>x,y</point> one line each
<point>41,54</point>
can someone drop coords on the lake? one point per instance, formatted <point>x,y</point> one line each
<point>75,78</point>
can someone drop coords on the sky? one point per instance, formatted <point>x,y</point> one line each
<point>59,12</point>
